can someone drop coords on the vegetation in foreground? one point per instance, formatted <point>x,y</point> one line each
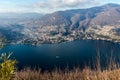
<point>76,74</point>
<point>7,67</point>
<point>8,71</point>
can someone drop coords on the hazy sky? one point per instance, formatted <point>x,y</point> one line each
<point>48,6</point>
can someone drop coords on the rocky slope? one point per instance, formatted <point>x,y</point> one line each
<point>101,22</point>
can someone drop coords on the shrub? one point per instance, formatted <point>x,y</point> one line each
<point>7,67</point>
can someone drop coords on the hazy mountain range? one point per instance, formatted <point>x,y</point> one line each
<point>102,22</point>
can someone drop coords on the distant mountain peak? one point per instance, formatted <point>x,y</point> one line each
<point>100,22</point>
<point>111,5</point>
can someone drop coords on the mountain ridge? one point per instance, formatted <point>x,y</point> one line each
<point>101,22</point>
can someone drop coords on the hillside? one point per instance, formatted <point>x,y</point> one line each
<point>102,22</point>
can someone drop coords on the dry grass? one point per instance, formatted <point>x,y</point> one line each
<point>76,74</point>
<point>112,72</point>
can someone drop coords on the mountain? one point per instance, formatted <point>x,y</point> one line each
<point>101,22</point>
<point>103,15</point>
<point>20,15</point>
<point>12,18</point>
<point>9,24</point>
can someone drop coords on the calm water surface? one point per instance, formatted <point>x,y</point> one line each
<point>70,54</point>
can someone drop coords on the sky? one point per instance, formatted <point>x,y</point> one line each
<point>48,6</point>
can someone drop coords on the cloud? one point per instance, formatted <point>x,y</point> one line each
<point>44,6</point>
<point>64,3</point>
<point>54,5</point>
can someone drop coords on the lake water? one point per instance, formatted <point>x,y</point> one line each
<point>68,54</point>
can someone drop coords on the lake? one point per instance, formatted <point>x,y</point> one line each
<point>67,54</point>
